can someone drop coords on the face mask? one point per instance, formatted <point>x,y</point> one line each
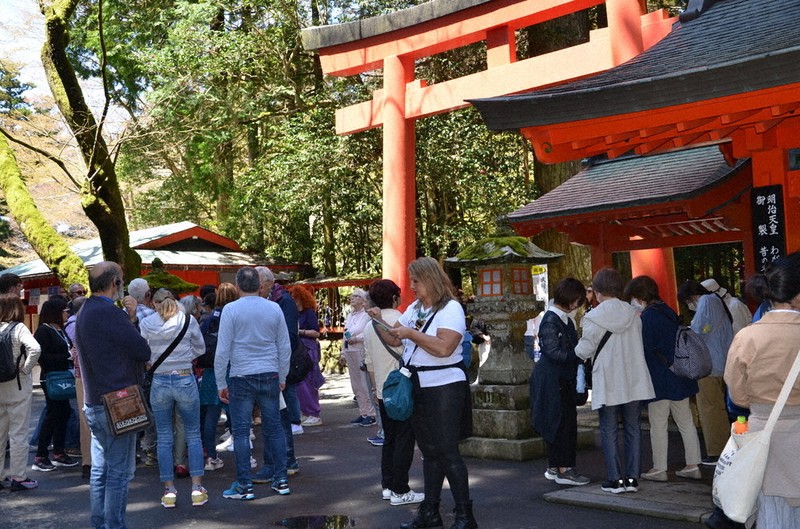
<point>692,305</point>
<point>638,305</point>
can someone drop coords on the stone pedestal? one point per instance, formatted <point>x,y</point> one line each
<point>500,397</point>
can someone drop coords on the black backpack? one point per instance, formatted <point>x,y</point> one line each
<point>300,364</point>
<point>9,368</point>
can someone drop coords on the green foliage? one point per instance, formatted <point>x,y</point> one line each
<point>236,133</point>
<point>12,99</point>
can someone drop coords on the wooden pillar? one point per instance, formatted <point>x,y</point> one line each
<point>501,47</point>
<point>399,174</point>
<point>625,27</point>
<point>658,263</point>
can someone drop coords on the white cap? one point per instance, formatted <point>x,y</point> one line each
<point>712,286</point>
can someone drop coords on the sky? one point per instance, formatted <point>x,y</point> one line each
<point>21,35</point>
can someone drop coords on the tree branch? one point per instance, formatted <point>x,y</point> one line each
<point>46,154</point>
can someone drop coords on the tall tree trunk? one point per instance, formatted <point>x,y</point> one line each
<point>544,38</point>
<point>53,250</point>
<point>100,195</point>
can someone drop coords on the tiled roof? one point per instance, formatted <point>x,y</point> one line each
<point>737,46</point>
<point>632,181</point>
<point>91,252</point>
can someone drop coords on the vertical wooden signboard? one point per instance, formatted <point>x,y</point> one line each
<point>769,223</point>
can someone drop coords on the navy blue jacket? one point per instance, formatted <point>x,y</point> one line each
<point>112,352</point>
<point>556,369</point>
<point>659,328</point>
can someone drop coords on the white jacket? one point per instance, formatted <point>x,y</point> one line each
<point>619,374</point>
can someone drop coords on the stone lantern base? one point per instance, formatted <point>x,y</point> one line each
<point>502,425</point>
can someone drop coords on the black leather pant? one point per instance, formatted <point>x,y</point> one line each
<point>437,422</point>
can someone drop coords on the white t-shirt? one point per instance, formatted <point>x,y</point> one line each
<point>450,317</point>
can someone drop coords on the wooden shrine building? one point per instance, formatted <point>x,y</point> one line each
<point>725,78</point>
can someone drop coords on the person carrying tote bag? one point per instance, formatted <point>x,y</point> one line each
<point>759,359</point>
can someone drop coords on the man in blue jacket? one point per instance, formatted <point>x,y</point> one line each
<point>112,357</point>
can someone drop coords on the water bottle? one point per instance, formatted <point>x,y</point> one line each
<point>580,386</point>
<point>740,426</point>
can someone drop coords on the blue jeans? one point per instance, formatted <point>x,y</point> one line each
<point>113,466</point>
<point>632,433</point>
<point>209,416</point>
<point>171,391</point>
<point>243,392</point>
<point>292,403</point>
<point>267,471</point>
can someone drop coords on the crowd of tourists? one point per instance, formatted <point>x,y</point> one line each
<point>629,336</point>
<point>229,352</point>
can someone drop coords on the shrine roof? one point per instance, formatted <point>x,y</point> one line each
<point>325,36</point>
<point>737,46</point>
<point>633,181</point>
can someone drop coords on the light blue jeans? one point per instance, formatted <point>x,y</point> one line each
<point>113,466</point>
<point>243,392</point>
<point>171,392</point>
<point>631,413</point>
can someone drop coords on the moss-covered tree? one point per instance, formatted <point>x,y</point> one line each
<point>101,199</point>
<point>53,250</point>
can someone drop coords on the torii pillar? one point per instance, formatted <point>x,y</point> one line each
<point>399,175</point>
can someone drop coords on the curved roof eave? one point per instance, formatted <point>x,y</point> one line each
<point>600,191</point>
<point>737,46</point>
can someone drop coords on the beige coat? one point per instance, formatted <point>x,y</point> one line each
<point>758,361</point>
<point>620,374</point>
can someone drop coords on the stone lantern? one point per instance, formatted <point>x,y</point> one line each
<point>504,300</point>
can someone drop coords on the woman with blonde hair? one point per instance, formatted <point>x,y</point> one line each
<point>16,394</point>
<point>431,330</point>
<point>174,387</point>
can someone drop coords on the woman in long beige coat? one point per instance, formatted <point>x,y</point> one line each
<point>758,361</point>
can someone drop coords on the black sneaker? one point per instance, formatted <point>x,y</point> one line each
<point>42,464</point>
<point>615,487</point>
<point>281,486</point>
<point>631,485</point>
<point>571,477</point>
<point>63,460</point>
<point>710,461</point>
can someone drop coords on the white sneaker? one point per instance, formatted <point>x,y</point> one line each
<point>297,429</point>
<point>386,494</point>
<point>226,445</point>
<point>407,499</point>
<point>214,463</point>
<point>253,462</point>
<point>222,418</point>
<point>252,437</point>
<point>311,421</point>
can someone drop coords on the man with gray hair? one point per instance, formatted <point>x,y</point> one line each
<point>139,289</point>
<point>254,341</point>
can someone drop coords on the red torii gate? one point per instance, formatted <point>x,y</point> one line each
<point>393,42</point>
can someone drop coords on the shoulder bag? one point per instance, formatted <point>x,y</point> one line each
<point>398,399</point>
<point>60,385</point>
<point>740,469</point>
